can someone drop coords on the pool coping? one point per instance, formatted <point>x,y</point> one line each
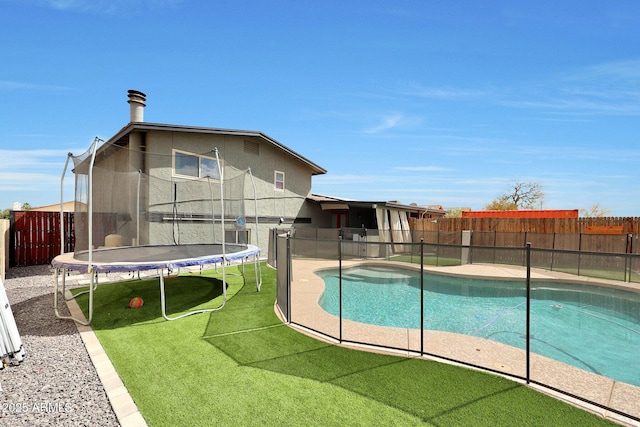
<point>307,287</point>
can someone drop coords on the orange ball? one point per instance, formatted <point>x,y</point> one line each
<point>136,302</point>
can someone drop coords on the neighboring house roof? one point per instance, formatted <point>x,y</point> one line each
<point>66,207</point>
<point>145,126</point>
<point>329,203</point>
<point>528,213</point>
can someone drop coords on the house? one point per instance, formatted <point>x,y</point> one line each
<point>179,161</point>
<point>163,177</point>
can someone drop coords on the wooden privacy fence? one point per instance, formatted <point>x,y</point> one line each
<point>614,235</point>
<point>606,225</point>
<point>35,237</point>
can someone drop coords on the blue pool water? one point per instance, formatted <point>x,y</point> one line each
<point>593,328</point>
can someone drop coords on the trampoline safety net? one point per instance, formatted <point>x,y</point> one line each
<point>141,198</point>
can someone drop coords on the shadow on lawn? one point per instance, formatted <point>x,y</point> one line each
<point>405,384</point>
<point>249,332</point>
<point>183,293</point>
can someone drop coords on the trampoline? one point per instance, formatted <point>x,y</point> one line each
<point>137,210</point>
<point>144,258</point>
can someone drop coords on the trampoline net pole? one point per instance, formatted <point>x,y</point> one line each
<point>90,202</point>
<point>258,272</point>
<point>62,229</point>
<point>224,249</point>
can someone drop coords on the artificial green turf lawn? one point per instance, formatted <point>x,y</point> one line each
<point>242,366</point>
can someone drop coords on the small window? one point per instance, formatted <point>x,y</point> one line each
<point>208,168</point>
<point>194,165</point>
<point>186,164</point>
<point>279,180</point>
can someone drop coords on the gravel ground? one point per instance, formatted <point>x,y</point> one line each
<point>56,383</point>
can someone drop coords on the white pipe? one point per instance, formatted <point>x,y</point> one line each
<point>90,210</point>
<point>64,172</point>
<point>224,249</point>
<point>255,204</point>
<point>138,210</point>
<point>213,214</point>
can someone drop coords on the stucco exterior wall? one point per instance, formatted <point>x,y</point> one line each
<point>272,203</point>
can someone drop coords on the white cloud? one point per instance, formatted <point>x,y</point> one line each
<point>345,179</point>
<point>106,6</point>
<point>21,160</point>
<point>618,70</point>
<point>33,176</point>
<point>421,91</point>
<point>386,123</point>
<point>27,181</point>
<point>423,169</point>
<point>13,85</point>
<point>609,88</point>
<point>393,121</point>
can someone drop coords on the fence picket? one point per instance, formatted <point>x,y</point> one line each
<point>630,225</point>
<point>37,237</point>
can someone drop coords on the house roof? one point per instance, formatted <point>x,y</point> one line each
<point>66,207</point>
<point>329,202</point>
<point>145,126</point>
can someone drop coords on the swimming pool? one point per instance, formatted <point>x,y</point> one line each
<point>593,328</point>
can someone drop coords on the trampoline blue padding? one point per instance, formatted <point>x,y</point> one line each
<point>153,257</point>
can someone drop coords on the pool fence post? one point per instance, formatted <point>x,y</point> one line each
<point>495,240</point>
<point>553,250</point>
<point>627,258</point>
<point>528,363</point>
<point>422,297</point>
<point>579,251</point>
<point>289,276</point>
<point>340,279</point>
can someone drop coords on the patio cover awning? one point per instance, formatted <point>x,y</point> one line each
<point>334,206</point>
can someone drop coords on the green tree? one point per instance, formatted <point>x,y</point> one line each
<point>6,213</point>
<point>521,195</point>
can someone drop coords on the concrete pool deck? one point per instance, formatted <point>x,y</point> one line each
<point>307,287</point>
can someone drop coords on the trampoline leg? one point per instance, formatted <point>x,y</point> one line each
<point>163,303</point>
<point>55,297</point>
<point>258,272</point>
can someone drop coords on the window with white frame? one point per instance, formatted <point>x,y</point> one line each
<point>194,165</point>
<point>279,180</point>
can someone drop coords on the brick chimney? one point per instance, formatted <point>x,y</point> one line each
<point>136,102</point>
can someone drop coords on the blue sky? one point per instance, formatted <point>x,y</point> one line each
<point>428,102</point>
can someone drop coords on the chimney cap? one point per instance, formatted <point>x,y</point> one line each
<point>137,96</point>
